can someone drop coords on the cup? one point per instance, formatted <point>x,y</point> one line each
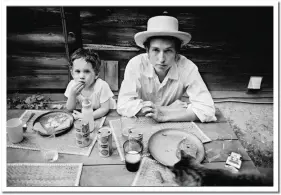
<point>133,152</point>
<point>15,130</point>
<point>48,147</point>
<point>127,124</point>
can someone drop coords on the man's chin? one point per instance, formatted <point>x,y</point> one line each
<point>161,69</point>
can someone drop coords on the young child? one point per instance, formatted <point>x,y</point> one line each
<point>85,68</point>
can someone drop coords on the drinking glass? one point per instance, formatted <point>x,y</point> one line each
<point>133,152</point>
<point>127,124</point>
<point>48,147</point>
<point>15,130</point>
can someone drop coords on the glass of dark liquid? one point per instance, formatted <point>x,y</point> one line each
<point>133,153</point>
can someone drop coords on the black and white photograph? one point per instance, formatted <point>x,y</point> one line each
<point>130,98</point>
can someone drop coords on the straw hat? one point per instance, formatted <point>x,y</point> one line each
<point>162,26</point>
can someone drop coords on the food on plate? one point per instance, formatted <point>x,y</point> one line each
<point>189,148</point>
<point>54,122</point>
<point>38,127</point>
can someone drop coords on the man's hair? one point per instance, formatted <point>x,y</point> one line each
<point>89,56</point>
<point>174,39</point>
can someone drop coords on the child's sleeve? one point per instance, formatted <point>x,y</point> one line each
<point>106,93</point>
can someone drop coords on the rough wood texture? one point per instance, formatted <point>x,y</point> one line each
<point>111,74</point>
<point>247,166</point>
<point>219,150</point>
<point>218,130</point>
<point>223,43</point>
<point>36,63</point>
<point>111,171</point>
<point>36,56</point>
<point>46,82</point>
<point>102,175</point>
<point>227,47</point>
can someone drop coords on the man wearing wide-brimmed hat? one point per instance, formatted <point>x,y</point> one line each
<point>154,82</point>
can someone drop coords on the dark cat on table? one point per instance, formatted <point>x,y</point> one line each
<point>188,172</point>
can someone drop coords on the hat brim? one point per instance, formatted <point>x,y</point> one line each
<point>141,37</point>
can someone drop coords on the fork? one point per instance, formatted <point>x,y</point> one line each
<point>24,127</point>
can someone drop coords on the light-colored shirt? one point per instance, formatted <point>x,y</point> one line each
<point>142,84</point>
<point>101,92</point>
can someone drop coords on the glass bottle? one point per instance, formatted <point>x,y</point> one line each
<point>88,114</point>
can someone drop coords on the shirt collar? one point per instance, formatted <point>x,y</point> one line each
<point>149,70</point>
<point>173,72</point>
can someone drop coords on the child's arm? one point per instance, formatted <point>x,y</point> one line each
<point>71,103</point>
<point>73,92</point>
<point>103,110</point>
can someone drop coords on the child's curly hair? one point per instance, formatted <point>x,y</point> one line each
<point>89,56</point>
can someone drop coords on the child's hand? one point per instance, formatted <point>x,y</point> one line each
<point>77,88</point>
<point>76,114</point>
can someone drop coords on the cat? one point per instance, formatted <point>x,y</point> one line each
<point>188,172</point>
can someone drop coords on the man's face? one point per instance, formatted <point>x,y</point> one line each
<point>162,55</point>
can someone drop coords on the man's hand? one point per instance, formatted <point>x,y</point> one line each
<point>157,113</point>
<point>77,88</point>
<point>146,108</point>
<point>149,109</point>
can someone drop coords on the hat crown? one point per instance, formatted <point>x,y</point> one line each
<point>162,23</point>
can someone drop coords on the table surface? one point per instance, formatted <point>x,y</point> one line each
<point>111,171</point>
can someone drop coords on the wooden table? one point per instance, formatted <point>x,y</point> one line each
<point>111,171</point>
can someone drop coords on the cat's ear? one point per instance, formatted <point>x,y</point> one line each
<point>184,154</point>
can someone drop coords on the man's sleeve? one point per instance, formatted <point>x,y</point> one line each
<point>201,100</point>
<point>129,102</point>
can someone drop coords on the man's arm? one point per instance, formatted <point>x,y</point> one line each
<point>200,98</point>
<point>129,103</point>
<point>171,113</point>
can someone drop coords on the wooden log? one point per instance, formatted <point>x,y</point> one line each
<point>37,64</point>
<point>39,40</point>
<point>47,62</point>
<point>27,19</point>
<point>47,82</point>
<point>211,60</point>
<point>230,82</point>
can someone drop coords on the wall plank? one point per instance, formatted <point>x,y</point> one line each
<point>46,82</point>
<point>36,57</point>
<point>36,64</point>
<point>111,74</point>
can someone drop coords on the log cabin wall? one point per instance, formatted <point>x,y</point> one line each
<point>229,44</point>
<point>37,58</point>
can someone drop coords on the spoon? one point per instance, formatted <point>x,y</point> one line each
<point>25,124</point>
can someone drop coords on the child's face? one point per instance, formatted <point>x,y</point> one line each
<point>83,71</point>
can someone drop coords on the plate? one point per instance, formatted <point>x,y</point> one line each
<point>58,122</point>
<point>163,145</point>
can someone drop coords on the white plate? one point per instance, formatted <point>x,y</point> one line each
<point>163,145</point>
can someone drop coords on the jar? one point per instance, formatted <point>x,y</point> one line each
<point>88,114</point>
